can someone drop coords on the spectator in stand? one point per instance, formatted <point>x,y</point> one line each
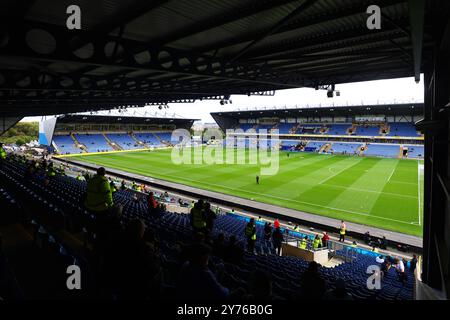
<point>112,185</point>
<point>152,205</point>
<point>267,231</point>
<point>385,266</point>
<point>400,268</point>
<point>2,153</point>
<point>196,281</point>
<point>250,233</point>
<point>312,284</point>
<point>379,259</point>
<point>210,216</point>
<point>367,238</point>
<point>276,223</point>
<point>325,239</point>
<point>233,253</point>
<point>137,264</point>
<point>260,287</point>
<point>413,263</point>
<point>277,238</point>
<point>339,292</point>
<point>383,244</point>
<point>198,219</point>
<point>219,246</point>
<point>98,200</point>
<point>123,186</point>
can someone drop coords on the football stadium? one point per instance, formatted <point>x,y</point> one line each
<point>119,198</point>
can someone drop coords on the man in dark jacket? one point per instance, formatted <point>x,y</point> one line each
<point>277,238</point>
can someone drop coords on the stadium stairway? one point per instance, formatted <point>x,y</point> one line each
<point>324,130</point>
<point>352,129</point>
<point>139,142</point>
<point>77,143</point>
<point>114,146</point>
<point>325,148</point>
<point>384,129</point>
<point>161,141</point>
<point>294,129</point>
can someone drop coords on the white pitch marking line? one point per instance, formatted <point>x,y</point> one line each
<point>390,176</point>
<point>338,172</point>
<point>291,200</point>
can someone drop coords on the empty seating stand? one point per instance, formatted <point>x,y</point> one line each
<point>345,148</point>
<point>94,142</point>
<point>124,140</point>
<point>372,131</point>
<point>314,146</point>
<point>65,144</point>
<point>149,139</point>
<point>402,129</point>
<point>415,151</point>
<point>338,129</point>
<point>382,150</point>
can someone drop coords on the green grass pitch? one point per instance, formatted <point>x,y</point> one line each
<point>384,193</point>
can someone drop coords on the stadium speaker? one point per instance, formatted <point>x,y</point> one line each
<point>338,93</point>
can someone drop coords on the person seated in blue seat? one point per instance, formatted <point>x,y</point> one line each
<point>339,292</point>
<point>219,245</point>
<point>312,284</point>
<point>260,287</point>
<point>233,253</point>
<point>196,281</point>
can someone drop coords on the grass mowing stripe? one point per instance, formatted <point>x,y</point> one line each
<point>350,181</point>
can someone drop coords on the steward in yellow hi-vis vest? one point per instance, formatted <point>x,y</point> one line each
<point>98,194</point>
<point>2,152</point>
<point>304,243</point>
<point>342,231</point>
<point>250,233</point>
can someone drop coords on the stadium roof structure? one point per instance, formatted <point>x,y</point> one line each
<point>98,119</point>
<point>133,53</point>
<point>387,109</point>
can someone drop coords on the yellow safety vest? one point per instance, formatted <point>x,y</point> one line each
<point>2,153</point>
<point>250,230</point>
<point>197,219</point>
<point>303,244</point>
<point>99,195</point>
<point>316,243</point>
<point>342,231</point>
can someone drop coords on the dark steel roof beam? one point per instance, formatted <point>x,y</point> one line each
<point>417,18</point>
<point>292,15</point>
<point>120,20</point>
<point>307,22</point>
<point>221,19</point>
